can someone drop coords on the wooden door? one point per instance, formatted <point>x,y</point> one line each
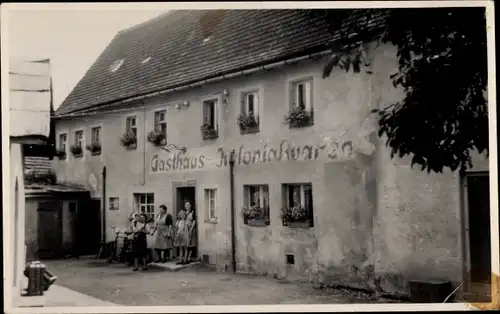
<point>49,229</point>
<point>478,201</point>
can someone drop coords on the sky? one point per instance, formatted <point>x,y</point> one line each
<point>72,39</point>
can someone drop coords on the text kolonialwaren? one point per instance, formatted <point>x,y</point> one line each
<point>243,156</point>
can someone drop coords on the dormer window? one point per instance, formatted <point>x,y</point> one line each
<point>116,65</point>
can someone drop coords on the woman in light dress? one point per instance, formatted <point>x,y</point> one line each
<point>150,239</point>
<point>181,236</point>
<point>164,232</point>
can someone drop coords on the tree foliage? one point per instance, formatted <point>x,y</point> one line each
<point>442,56</point>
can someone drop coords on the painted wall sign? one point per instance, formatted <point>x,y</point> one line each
<point>285,151</point>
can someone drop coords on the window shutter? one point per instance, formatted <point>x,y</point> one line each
<point>256,105</point>
<point>216,115</point>
<point>308,96</point>
<point>293,96</point>
<point>243,108</point>
<point>206,118</point>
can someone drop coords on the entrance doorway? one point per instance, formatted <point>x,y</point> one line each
<point>478,234</point>
<point>183,195</point>
<point>49,229</point>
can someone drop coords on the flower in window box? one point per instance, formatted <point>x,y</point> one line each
<point>295,213</point>
<point>129,139</point>
<point>253,215</point>
<point>248,123</point>
<point>156,137</point>
<point>76,150</point>
<point>94,147</point>
<point>298,116</point>
<point>208,131</point>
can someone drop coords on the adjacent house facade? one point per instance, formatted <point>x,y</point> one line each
<point>28,124</point>
<point>312,195</point>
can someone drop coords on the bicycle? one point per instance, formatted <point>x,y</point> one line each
<point>113,253</point>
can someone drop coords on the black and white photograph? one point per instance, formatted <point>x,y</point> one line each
<point>249,156</point>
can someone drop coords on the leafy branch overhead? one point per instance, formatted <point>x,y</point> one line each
<point>442,69</point>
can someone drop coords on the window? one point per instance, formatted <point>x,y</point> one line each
<point>114,203</point>
<point>96,135</point>
<point>257,196</point>
<point>79,138</point>
<point>160,122</point>
<point>63,140</point>
<point>249,118</point>
<point>296,195</point>
<point>131,126</point>
<point>251,104</point>
<point>302,95</point>
<point>211,204</point>
<point>210,113</point>
<point>145,203</point>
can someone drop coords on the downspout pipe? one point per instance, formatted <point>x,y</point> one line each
<point>233,231</point>
<point>103,204</point>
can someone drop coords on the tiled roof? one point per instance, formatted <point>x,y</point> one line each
<point>37,164</point>
<point>183,47</point>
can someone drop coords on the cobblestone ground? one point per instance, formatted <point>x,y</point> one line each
<point>191,286</point>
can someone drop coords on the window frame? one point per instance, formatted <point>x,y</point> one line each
<point>129,127</point>
<point>210,213</point>
<point>111,201</point>
<point>92,134</point>
<point>139,205</point>
<point>60,142</point>
<point>76,142</point>
<point>262,189</point>
<point>160,123</point>
<point>215,113</point>
<point>245,106</point>
<point>294,94</point>
<point>303,187</point>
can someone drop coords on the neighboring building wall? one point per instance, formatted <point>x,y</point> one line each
<point>364,217</point>
<point>16,246</point>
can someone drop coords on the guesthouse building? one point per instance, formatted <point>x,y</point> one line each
<point>228,109</point>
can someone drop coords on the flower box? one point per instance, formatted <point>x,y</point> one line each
<point>157,138</point>
<point>208,132</point>
<point>77,151</point>
<point>298,223</point>
<point>256,222</point>
<point>94,148</point>
<point>129,140</point>
<point>248,123</point>
<point>61,154</point>
<point>299,117</point>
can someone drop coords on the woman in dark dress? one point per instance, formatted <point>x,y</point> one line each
<point>139,243</point>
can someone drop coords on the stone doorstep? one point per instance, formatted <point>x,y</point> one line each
<point>172,266</point>
<point>30,301</point>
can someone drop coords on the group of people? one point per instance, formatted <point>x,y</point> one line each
<point>182,235</point>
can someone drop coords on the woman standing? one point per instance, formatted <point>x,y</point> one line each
<point>191,231</point>
<point>139,244</point>
<point>181,236</point>
<point>163,243</point>
<point>150,228</point>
